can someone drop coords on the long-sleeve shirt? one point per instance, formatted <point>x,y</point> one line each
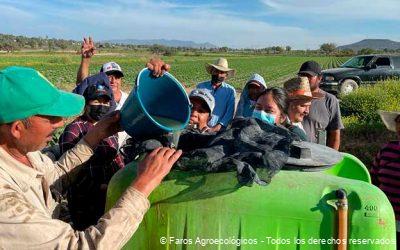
<point>385,173</point>
<point>224,108</point>
<point>28,213</point>
<point>106,152</point>
<point>87,195</point>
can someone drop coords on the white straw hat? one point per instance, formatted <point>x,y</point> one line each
<point>389,119</point>
<point>220,64</point>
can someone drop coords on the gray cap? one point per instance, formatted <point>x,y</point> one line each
<point>206,96</point>
<point>258,79</point>
<point>111,67</point>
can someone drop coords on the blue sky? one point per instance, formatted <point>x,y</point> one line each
<point>302,24</point>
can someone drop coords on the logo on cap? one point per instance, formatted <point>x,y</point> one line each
<point>100,86</point>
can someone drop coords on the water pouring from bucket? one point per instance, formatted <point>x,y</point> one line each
<point>156,106</point>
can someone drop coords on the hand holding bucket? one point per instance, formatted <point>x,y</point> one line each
<point>155,106</point>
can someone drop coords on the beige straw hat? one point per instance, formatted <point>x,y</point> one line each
<point>220,64</point>
<point>388,118</point>
<point>298,88</point>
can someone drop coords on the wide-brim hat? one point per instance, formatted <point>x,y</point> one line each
<point>388,118</point>
<point>298,88</point>
<point>220,64</point>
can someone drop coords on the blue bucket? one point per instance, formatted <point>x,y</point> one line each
<point>155,106</point>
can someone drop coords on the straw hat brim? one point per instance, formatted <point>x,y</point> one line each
<point>304,98</point>
<point>388,118</point>
<point>230,72</point>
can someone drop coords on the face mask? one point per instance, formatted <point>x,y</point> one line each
<point>264,116</point>
<point>96,112</point>
<point>215,79</point>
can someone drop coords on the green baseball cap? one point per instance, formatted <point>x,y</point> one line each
<point>25,92</point>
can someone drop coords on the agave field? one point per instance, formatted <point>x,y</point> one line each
<point>60,68</point>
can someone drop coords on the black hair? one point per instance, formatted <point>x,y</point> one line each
<point>280,98</point>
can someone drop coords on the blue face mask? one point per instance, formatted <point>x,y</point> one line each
<point>264,116</point>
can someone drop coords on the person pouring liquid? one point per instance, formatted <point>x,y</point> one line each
<point>31,109</point>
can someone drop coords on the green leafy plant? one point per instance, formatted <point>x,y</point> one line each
<point>365,102</point>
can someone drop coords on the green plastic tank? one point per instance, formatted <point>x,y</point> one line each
<point>192,210</point>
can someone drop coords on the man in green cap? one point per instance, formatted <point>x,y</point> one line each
<point>31,109</point>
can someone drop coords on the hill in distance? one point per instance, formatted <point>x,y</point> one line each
<point>169,43</point>
<point>376,44</point>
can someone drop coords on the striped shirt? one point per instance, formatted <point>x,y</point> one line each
<point>385,173</point>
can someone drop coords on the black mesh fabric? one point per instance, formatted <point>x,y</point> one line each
<point>246,145</point>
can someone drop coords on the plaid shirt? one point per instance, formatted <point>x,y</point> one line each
<point>86,196</point>
<point>105,153</point>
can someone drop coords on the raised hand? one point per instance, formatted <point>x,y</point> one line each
<point>157,66</point>
<point>88,49</point>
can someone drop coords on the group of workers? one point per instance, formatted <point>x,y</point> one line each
<point>31,109</point>
<point>300,105</point>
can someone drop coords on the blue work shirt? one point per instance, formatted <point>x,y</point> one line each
<point>224,108</point>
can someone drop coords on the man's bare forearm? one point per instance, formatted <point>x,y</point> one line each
<point>333,140</point>
<point>83,70</point>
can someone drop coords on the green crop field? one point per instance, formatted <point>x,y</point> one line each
<point>60,67</point>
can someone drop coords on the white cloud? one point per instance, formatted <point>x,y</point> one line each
<point>333,9</point>
<point>10,12</point>
<point>148,19</point>
<point>15,20</point>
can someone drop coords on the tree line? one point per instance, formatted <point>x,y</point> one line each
<point>10,43</point>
